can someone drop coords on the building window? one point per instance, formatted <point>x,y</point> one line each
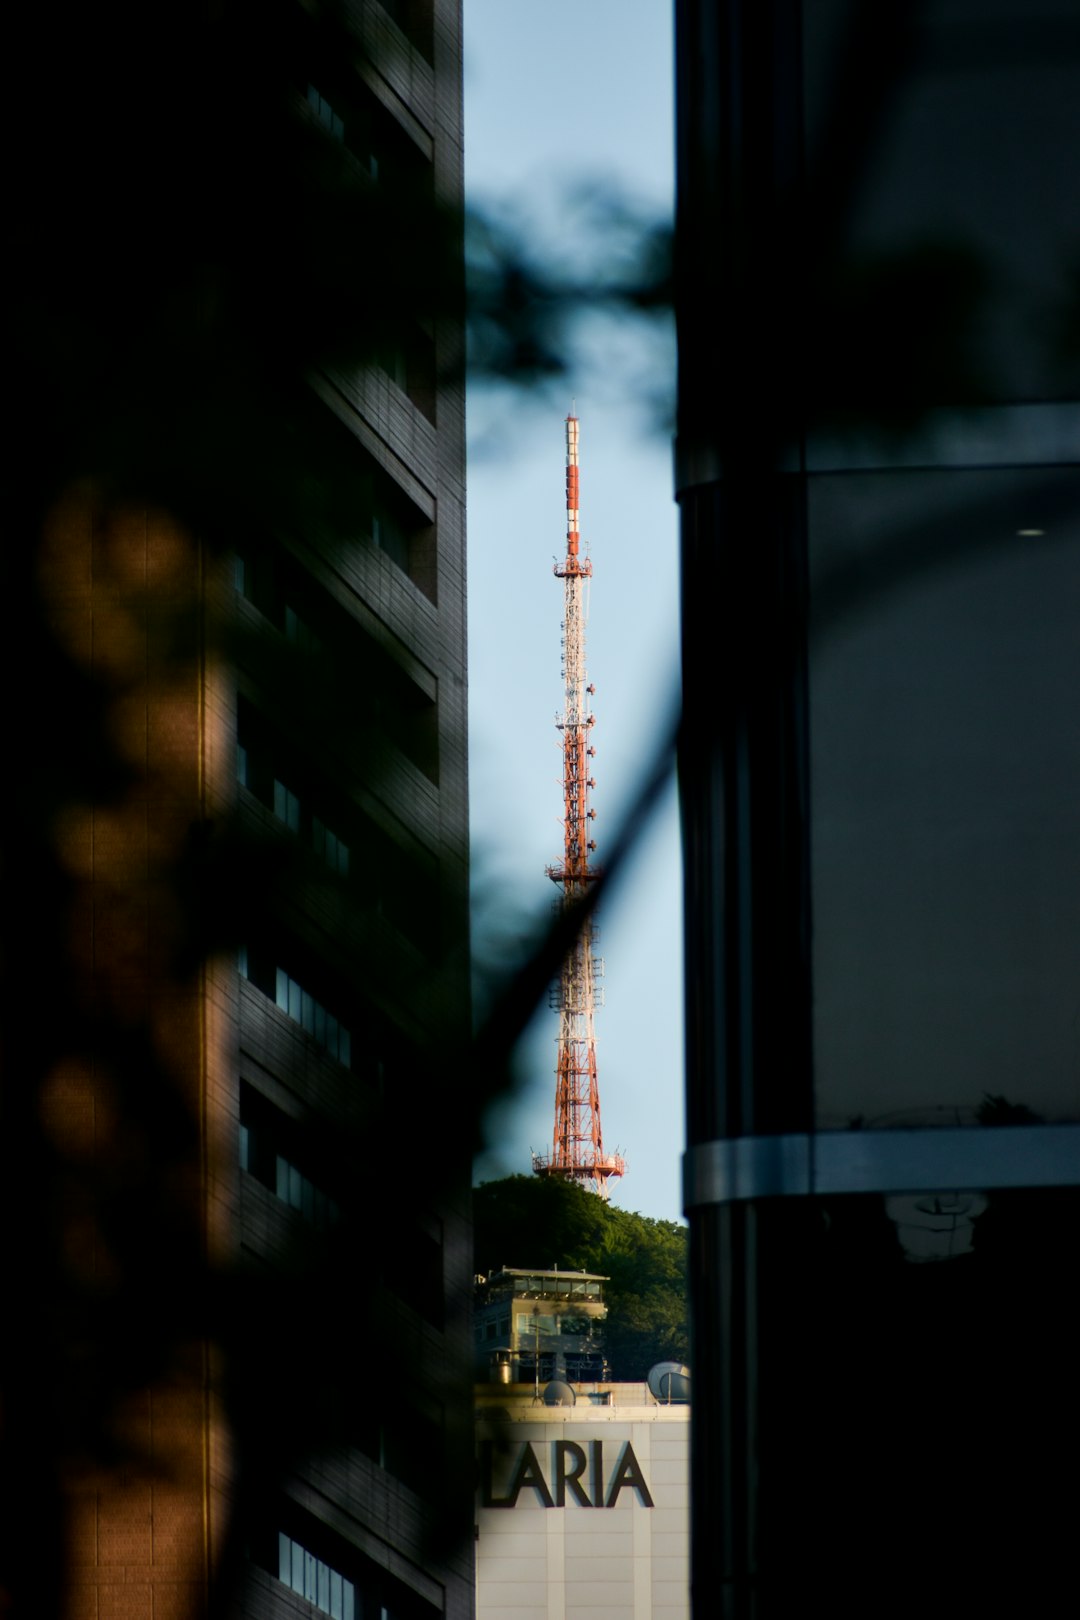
<point>325,114</point>
<point>415,18</point>
<point>312,1016</point>
<point>286,806</point>
<point>296,1190</point>
<point>274,1151</point>
<point>329,847</point>
<point>574,1324</point>
<point>326,844</point>
<point>299,1004</point>
<point>299,632</point>
<point>527,1369</point>
<point>388,535</point>
<point>308,1576</point>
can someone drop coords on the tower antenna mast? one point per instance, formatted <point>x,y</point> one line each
<point>577,1147</point>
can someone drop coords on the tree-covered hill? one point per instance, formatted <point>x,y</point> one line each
<point>544,1222</point>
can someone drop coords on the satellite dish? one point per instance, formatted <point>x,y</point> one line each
<point>559,1394</point>
<point>669,1383</point>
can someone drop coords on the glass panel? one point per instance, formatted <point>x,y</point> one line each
<point>281,989</point>
<point>296,1190</point>
<point>281,1182</point>
<point>320,1024</point>
<point>280,798</point>
<point>915,1383</point>
<point>335,1595</point>
<point>297,1568</point>
<point>311,1586</point>
<point>323,1599</point>
<point>244,1148</point>
<point>947,175</point>
<point>345,1047</point>
<point>307,1011</point>
<point>296,996</point>
<point>349,1605</point>
<point>241,765</point>
<point>945,796</point>
<point>284,1558</point>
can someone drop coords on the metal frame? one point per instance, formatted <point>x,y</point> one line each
<point>738,1168</point>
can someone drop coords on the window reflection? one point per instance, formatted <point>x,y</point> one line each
<point>945,783</point>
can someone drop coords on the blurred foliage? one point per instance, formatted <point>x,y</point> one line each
<point>526,300</point>
<point>186,249</point>
<point>545,1222</point>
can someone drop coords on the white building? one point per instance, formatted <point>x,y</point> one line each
<point>583,1509</point>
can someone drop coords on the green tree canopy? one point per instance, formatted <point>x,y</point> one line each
<point>544,1222</point>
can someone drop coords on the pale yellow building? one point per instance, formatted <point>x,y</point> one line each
<point>583,1508</point>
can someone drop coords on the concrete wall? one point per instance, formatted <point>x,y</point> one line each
<point>629,1561</point>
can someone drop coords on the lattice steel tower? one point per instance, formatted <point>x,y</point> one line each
<point>577,1148</point>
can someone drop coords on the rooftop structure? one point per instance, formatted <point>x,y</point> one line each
<point>534,1326</point>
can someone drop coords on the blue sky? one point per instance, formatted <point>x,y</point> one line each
<point>559,97</point>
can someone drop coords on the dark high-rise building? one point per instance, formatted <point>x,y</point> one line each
<point>877,468</point>
<point>256,590</point>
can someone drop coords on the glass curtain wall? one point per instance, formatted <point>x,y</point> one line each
<point>878,296</point>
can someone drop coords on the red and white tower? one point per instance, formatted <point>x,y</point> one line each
<point>577,1148</point>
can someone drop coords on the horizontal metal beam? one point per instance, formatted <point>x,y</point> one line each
<point>953,1158</point>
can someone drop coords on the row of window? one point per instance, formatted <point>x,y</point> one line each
<point>580,1368</point>
<point>355,132</point>
<point>325,114</point>
<point>327,1589</point>
<point>295,629</point>
<point>312,1016</point>
<point>401,885</point>
<point>524,1325</point>
<point>385,693</point>
<point>326,844</point>
<point>287,807</point>
<point>330,847</point>
<point>300,1005</point>
<point>291,1185</point>
<point>569,1287</point>
<point>373,1593</point>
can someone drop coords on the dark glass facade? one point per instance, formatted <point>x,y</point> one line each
<point>877,467</point>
